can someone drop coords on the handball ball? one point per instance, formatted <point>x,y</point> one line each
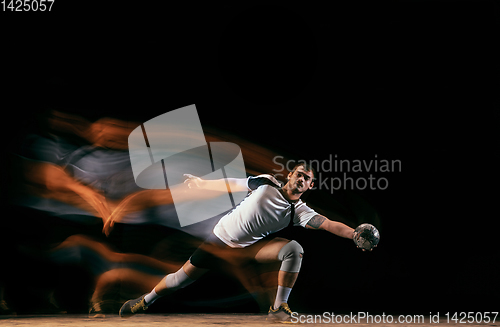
<point>366,236</point>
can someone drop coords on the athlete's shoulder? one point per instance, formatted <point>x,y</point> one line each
<point>265,179</point>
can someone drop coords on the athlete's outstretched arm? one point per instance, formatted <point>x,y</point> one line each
<point>194,189</point>
<point>320,222</point>
<point>235,184</point>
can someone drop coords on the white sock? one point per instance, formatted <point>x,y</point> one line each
<point>282,296</point>
<point>151,297</point>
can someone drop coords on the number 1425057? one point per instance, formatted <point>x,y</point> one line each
<point>27,5</point>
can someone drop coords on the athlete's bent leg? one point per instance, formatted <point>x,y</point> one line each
<point>169,284</point>
<point>290,254</point>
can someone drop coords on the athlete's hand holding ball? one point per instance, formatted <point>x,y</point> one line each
<point>366,237</point>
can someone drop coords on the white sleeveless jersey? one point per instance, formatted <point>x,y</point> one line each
<point>264,211</point>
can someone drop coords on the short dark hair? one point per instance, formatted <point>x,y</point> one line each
<point>307,167</point>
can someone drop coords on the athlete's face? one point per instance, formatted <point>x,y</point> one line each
<point>301,180</point>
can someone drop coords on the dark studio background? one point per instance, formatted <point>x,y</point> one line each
<point>415,81</point>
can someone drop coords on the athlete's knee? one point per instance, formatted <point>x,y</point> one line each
<point>291,256</point>
<point>291,249</point>
<point>177,280</point>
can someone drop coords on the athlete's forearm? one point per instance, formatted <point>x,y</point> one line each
<point>234,184</point>
<point>322,223</point>
<point>338,229</point>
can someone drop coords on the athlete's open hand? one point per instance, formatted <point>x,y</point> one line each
<point>193,181</point>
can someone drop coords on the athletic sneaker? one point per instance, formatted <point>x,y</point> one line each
<point>282,314</point>
<point>132,307</point>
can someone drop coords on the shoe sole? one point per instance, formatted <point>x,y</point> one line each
<point>123,315</point>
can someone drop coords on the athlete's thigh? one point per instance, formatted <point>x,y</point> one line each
<point>268,251</point>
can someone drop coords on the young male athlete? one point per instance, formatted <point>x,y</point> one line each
<point>269,208</point>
